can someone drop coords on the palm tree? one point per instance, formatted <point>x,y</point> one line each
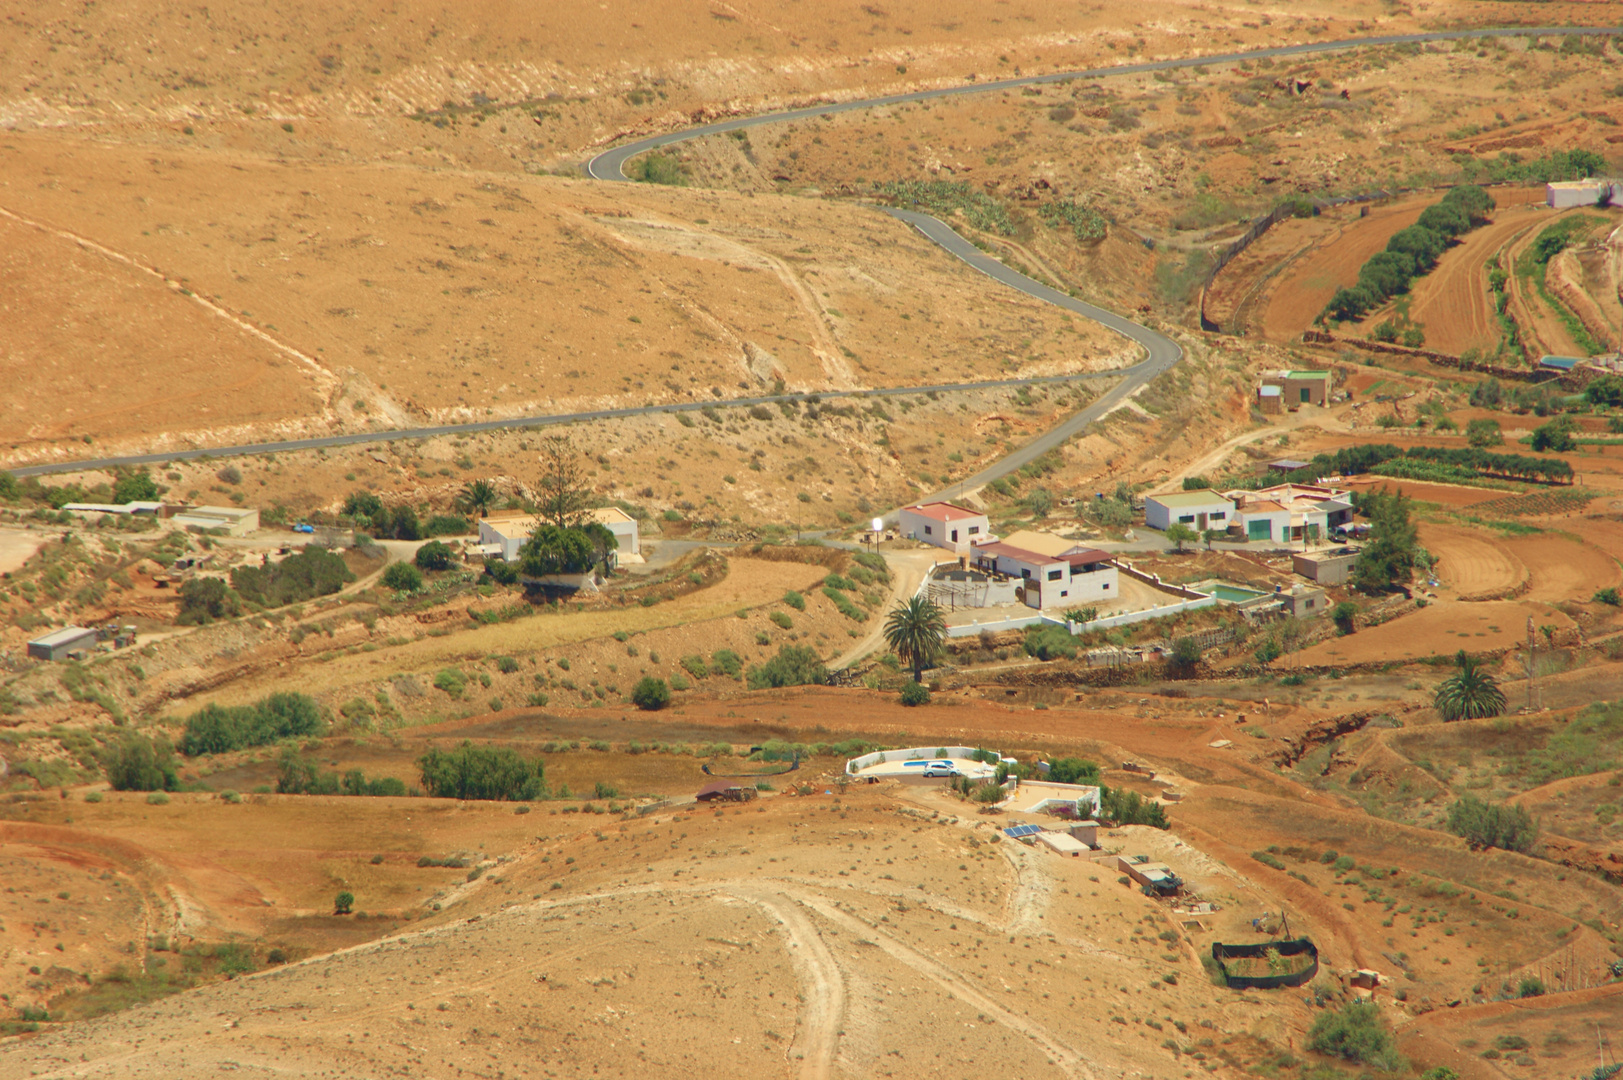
<point>477,497</point>
<point>915,630</point>
<point>1470,693</point>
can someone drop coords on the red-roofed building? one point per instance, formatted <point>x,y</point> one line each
<point>1075,579</point>
<point>944,525</point>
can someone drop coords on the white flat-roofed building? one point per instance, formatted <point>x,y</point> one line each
<point>943,524</point>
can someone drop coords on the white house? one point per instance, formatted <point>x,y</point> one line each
<point>1200,510</point>
<point>624,528</point>
<point>1053,580</point>
<point>1564,194</point>
<point>503,532</point>
<point>943,524</point>
<point>1290,512</point>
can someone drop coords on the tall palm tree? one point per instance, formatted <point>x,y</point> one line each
<point>915,630</point>
<point>477,497</point>
<point>1470,693</point>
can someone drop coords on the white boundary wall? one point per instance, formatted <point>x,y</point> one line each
<point>911,753</point>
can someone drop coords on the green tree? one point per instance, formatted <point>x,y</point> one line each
<point>1185,656</point>
<point>1489,825</point>
<point>476,497</point>
<point>1343,615</point>
<point>604,543</point>
<point>1358,1034</point>
<point>915,630</point>
<point>343,903</point>
<point>555,550</point>
<point>1181,534</point>
<point>795,665</point>
<point>1605,390</point>
<point>204,599</point>
<point>1470,693</point>
<point>480,772</point>
<point>312,572</point>
<point>915,693</point>
<point>138,763</point>
<point>561,490</point>
<point>434,555</point>
<point>1071,770</point>
<point>1484,432</point>
<point>1554,437</point>
<point>1388,558</point>
<point>135,487</point>
<point>651,693</point>
<point>402,577</point>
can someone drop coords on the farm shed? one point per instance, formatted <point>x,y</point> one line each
<point>235,520</point>
<point>1325,567</point>
<point>725,791</point>
<point>1303,601</point>
<point>1152,875</point>
<point>1200,510</point>
<point>943,524</point>
<point>1300,387</point>
<point>503,532</point>
<point>1270,399</point>
<point>62,644</point>
<point>1565,194</point>
<point>1063,843</point>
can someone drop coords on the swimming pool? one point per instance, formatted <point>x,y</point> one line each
<point>1231,594</point>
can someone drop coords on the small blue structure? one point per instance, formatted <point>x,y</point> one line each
<point>1559,363</point>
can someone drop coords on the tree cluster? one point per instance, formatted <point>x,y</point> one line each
<point>138,763</point>
<point>311,573</point>
<point>216,729</point>
<point>1412,252</point>
<point>795,665</point>
<point>1388,558</point>
<point>298,775</point>
<point>204,599</point>
<point>481,772</point>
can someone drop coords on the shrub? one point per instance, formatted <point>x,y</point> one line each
<point>795,665</point>
<point>795,600</point>
<point>343,903</point>
<point>1607,595</point>
<point>726,662</point>
<point>1343,615</point>
<point>695,666</point>
<point>216,729</point>
<point>480,772</point>
<point>310,573</point>
<point>1127,808</point>
<point>157,798</point>
<point>138,763</point>
<point>434,556</point>
<point>914,693</point>
<point>1489,825</point>
<point>447,525</point>
<point>1530,986</point>
<point>1357,1034</point>
<point>1073,771</point>
<point>782,620</point>
<point>502,573</point>
<point>506,665</point>
<point>452,681</point>
<point>1484,432</point>
<point>402,577</point>
<point>651,693</point>
<point>204,599</point>
<point>1050,643</point>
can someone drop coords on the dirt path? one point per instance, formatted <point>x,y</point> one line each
<point>1452,302</point>
<point>1314,278</point>
<point>907,571</point>
<point>817,1038</point>
<point>1214,458</point>
<point>1471,562</point>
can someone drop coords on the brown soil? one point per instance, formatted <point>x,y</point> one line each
<point>1472,564</point>
<point>1564,569</point>
<point>1452,303</point>
<point>1439,629</point>
<point>1333,263</point>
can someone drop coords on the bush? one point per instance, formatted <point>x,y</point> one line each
<point>434,556</point>
<point>783,621</point>
<point>506,665</point>
<point>138,763</point>
<point>447,525</point>
<point>914,693</point>
<point>794,600</point>
<point>216,729</point>
<point>1530,986</point>
<point>1484,432</point>
<point>726,662</point>
<point>1489,825</point>
<point>1357,1034</point>
<point>1127,808</point>
<point>402,577</point>
<point>651,693</point>
<point>1607,595</point>
<point>480,772</point>
<point>312,572</point>
<point>1343,615</point>
<point>157,798</point>
<point>343,903</point>
<point>501,572</point>
<point>204,599</point>
<point>452,681</point>
<point>795,665</point>
<point>1050,643</point>
<point>1073,771</point>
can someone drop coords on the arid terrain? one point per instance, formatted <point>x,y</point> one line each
<point>346,265</point>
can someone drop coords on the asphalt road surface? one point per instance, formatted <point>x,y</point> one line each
<point>1162,351</point>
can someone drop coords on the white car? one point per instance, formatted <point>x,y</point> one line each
<point>941,768</point>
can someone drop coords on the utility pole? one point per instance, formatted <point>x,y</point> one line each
<point>1530,663</point>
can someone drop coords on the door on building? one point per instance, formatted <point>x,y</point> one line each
<point>1259,530</point>
<point>1307,396</point>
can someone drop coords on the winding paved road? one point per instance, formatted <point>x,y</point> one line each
<point>1162,351</point>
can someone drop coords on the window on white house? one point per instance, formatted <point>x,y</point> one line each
<point>927,530</point>
<point>974,530</point>
<point>1055,575</point>
<point>1220,515</point>
<point>1187,519</point>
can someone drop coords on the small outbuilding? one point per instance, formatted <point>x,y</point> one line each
<point>1303,601</point>
<point>725,791</point>
<point>63,644</point>
<point>235,520</point>
<point>624,528</point>
<point>1200,510</point>
<point>1330,567</point>
<point>1157,877</point>
<point>1565,194</point>
<point>1270,399</point>
<point>1063,843</point>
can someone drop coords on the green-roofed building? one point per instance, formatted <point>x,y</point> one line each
<point>1300,387</point>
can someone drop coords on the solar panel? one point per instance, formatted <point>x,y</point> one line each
<point>1017,831</point>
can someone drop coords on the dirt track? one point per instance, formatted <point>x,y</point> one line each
<point>1301,295</point>
<point>1472,564</point>
<point>1452,302</point>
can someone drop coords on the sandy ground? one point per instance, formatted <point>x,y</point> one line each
<point>1472,563</point>
<point>1441,628</point>
<point>17,547</point>
<point>1452,303</point>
